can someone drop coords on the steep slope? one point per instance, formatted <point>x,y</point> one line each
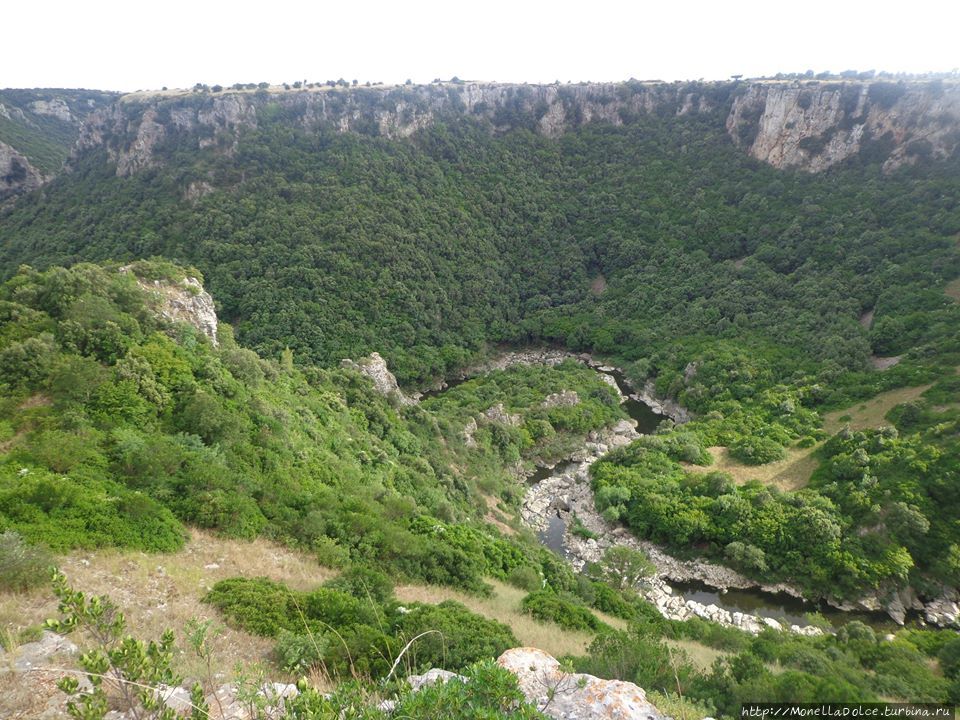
<point>337,244</point>
<point>38,130</point>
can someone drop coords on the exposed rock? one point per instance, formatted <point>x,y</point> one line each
<point>197,190</point>
<point>811,125</point>
<point>564,398</point>
<point>185,302</point>
<point>566,696</point>
<point>498,414</point>
<point>17,174</point>
<point>468,433</point>
<point>55,107</point>
<point>882,363</point>
<point>432,677</point>
<point>39,653</point>
<point>944,610</point>
<point>814,125</point>
<point>663,406</point>
<point>375,368</point>
<point>225,705</point>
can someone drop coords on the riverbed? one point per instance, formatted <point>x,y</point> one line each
<point>680,589</point>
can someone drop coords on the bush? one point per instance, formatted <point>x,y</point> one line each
<point>22,566</point>
<point>299,653</point>
<point>489,693</point>
<point>550,607</point>
<point>256,604</point>
<point>525,578</point>
<point>753,450</point>
<point>363,583</point>
<point>462,637</point>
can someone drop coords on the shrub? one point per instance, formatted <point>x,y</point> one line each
<point>490,692</point>
<point>337,609</point>
<point>754,450</point>
<point>363,583</point>
<point>949,657</point>
<point>299,653</point>
<point>22,566</point>
<point>256,604</point>
<point>550,607</point>
<point>525,578</point>
<point>462,636</point>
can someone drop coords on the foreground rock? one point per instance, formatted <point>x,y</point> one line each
<point>565,696</point>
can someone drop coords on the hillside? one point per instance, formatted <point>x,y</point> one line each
<point>480,227</point>
<point>38,132</point>
<point>392,331</point>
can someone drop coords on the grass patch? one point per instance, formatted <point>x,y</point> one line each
<point>872,413</point>
<point>163,591</point>
<point>952,290</point>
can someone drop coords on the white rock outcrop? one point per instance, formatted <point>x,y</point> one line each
<point>185,302</point>
<point>575,696</point>
<point>375,368</point>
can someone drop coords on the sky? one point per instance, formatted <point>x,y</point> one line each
<point>126,46</point>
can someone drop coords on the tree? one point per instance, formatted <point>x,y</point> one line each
<point>625,566</point>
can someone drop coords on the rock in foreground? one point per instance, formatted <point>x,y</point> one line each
<point>569,696</point>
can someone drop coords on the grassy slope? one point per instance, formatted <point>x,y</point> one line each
<point>794,471</point>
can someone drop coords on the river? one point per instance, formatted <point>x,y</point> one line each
<point>553,530</point>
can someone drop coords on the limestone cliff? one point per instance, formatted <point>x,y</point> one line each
<point>17,174</point>
<point>805,124</point>
<point>813,125</point>
<point>38,130</point>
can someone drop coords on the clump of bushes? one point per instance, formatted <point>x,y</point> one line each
<point>566,612</point>
<point>353,626</point>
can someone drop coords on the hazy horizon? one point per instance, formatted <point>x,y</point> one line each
<point>109,45</point>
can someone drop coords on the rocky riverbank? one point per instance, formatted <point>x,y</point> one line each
<point>567,493</point>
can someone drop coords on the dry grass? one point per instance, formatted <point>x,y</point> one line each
<point>164,591</point>
<point>496,517</point>
<point>504,606</point>
<point>700,655</point>
<point>791,473</point>
<point>953,289</point>
<point>870,414</point>
<point>794,471</point>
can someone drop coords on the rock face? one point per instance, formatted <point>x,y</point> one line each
<point>807,124</point>
<point>814,125</point>
<point>498,414</point>
<point>40,119</point>
<point>185,302</point>
<point>17,175</point>
<point>569,696</point>
<point>375,368</point>
<point>564,398</point>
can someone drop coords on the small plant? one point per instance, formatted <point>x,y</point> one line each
<point>22,566</point>
<point>581,530</point>
<point>119,667</point>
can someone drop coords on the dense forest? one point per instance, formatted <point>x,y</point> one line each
<point>758,299</point>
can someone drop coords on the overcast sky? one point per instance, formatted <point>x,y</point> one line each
<point>132,45</point>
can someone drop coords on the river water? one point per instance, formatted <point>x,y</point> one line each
<point>786,609</point>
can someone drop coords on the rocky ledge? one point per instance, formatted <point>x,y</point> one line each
<point>384,381</point>
<point>557,694</point>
